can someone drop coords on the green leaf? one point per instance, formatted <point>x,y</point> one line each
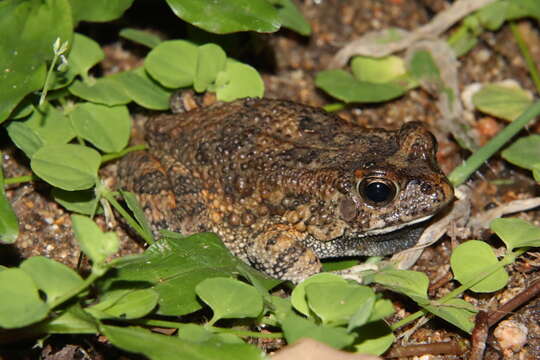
<point>382,309</point>
<point>227,16</point>
<point>142,37</point>
<point>457,312</point>
<point>470,260</point>
<point>160,347</point>
<point>377,70</point>
<point>362,314</point>
<point>536,172</point>
<point>29,29</point>
<point>329,266</point>
<point>54,278</point>
<point>525,152</point>
<point>298,296</point>
<point>84,54</point>
<point>238,81</point>
<point>96,244</point>
<point>229,298</point>
<point>48,126</point>
<point>175,266</point>
<point>335,303</point>
<point>414,284</point>
<point>374,338</point>
<point>124,304</point>
<point>143,90</point>
<point>343,86</point>
<point>99,10</point>
<point>423,66</point>
<point>23,109</point>
<point>51,125</point>
<point>173,63</point>
<point>137,210</point>
<point>290,17</point>
<point>280,307</point>
<point>83,201</point>
<point>20,304</point>
<point>523,8</point>
<point>108,128</point>
<point>505,102</point>
<point>24,137</point>
<point>73,320</point>
<point>102,91</point>
<point>516,233</point>
<point>295,327</point>
<point>493,15</point>
<point>9,224</point>
<point>200,334</point>
<point>462,41</point>
<point>211,59</point>
<point>69,167</point>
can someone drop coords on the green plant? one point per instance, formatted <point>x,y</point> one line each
<point>78,122</point>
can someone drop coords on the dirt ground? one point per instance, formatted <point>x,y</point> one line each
<point>289,63</point>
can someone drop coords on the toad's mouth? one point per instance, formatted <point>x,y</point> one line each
<point>393,229</point>
<point>368,245</point>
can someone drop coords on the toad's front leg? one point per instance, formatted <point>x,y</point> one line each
<point>279,252</point>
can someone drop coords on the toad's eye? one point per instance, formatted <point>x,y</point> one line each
<point>376,190</point>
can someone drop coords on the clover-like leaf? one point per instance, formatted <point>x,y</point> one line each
<point>470,261</point>
<point>160,347</point>
<point>124,304</point>
<point>230,298</point>
<point>377,70</point>
<point>457,312</point>
<point>68,166</point>
<point>54,278</point>
<point>516,233</point>
<point>501,100</point>
<point>524,152</point>
<point>173,63</point>
<point>414,284</point>
<point>96,244</point>
<point>343,86</point>
<point>175,266</point>
<point>296,327</point>
<point>106,127</point>
<point>211,59</point>
<point>335,303</point>
<point>226,16</point>
<point>20,304</point>
<point>9,224</point>
<point>298,296</point>
<point>238,81</point>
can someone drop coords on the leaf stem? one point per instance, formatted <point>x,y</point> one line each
<point>531,66</point>
<point>58,50</point>
<point>87,282</point>
<point>20,179</point>
<point>105,193</point>
<point>177,325</point>
<point>245,333</point>
<point>462,172</point>
<point>112,156</point>
<point>508,259</point>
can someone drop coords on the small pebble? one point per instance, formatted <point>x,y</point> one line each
<point>511,335</point>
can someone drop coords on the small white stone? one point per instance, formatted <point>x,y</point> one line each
<point>511,335</point>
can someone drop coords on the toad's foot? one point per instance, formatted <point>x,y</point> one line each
<point>278,252</point>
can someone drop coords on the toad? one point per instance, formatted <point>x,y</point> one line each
<point>285,185</point>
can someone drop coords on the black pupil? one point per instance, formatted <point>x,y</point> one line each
<point>378,192</point>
